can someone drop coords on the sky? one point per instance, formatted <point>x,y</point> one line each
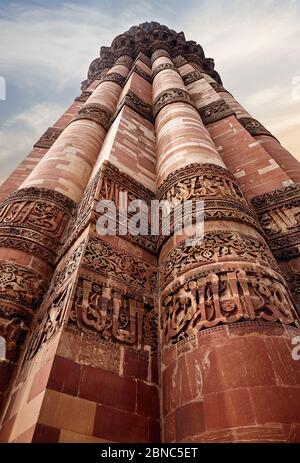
<point>46,49</point>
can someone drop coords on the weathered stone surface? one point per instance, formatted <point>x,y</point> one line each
<point>142,338</point>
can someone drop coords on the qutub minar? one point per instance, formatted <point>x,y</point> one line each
<point>145,338</point>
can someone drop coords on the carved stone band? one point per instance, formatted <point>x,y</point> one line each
<point>34,220</point>
<point>163,67</point>
<point>254,127</point>
<point>218,87</point>
<point>21,292</point>
<point>172,95</point>
<point>84,96</point>
<point>135,103</point>
<point>49,137</point>
<point>114,77</point>
<point>217,246</point>
<point>192,77</point>
<point>202,171</point>
<point>215,111</point>
<point>95,112</point>
<point>179,61</point>
<point>138,70</point>
<point>223,294</point>
<point>279,214</point>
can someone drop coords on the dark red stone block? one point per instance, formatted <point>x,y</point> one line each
<point>154,431</point>
<point>5,374</point>
<point>147,400</point>
<point>64,376</point>
<point>45,434</point>
<point>276,404</point>
<point>169,428</point>
<point>189,420</point>
<point>120,426</point>
<point>107,388</point>
<point>154,369</point>
<point>228,409</point>
<point>135,365</point>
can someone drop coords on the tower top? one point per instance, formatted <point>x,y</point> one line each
<point>146,38</point>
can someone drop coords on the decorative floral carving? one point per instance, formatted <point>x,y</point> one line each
<point>135,103</point>
<point>215,111</point>
<point>119,264</point>
<point>52,312</point>
<point>49,322</point>
<point>172,95</point>
<point>217,246</point>
<point>49,137</point>
<point>114,77</point>
<point>279,214</point>
<point>95,112</point>
<point>21,293</point>
<point>192,77</point>
<point>215,297</point>
<point>200,180</point>
<point>116,316</point>
<point>253,126</point>
<point>35,219</point>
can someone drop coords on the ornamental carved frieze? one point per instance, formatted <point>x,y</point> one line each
<point>83,97</point>
<point>222,295</point>
<point>172,95</point>
<point>49,137</point>
<point>119,265</point>
<point>192,77</point>
<point>293,280</point>
<point>279,215</point>
<point>138,70</point>
<point>114,315</point>
<point>35,220</point>
<point>137,104</point>
<point>114,77</point>
<point>217,246</point>
<point>21,293</point>
<point>253,126</point>
<point>107,184</point>
<point>215,111</point>
<point>217,87</point>
<point>147,38</point>
<point>215,210</point>
<point>217,187</point>
<point>113,180</point>
<point>200,181</point>
<point>163,67</point>
<point>52,312</point>
<point>49,321</point>
<point>179,61</point>
<point>95,112</point>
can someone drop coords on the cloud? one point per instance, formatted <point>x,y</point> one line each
<point>47,48</point>
<point>19,133</point>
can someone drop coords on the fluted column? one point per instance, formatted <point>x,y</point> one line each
<point>211,294</point>
<point>34,219</point>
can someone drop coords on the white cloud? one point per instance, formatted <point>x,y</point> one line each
<point>20,132</point>
<point>46,52</point>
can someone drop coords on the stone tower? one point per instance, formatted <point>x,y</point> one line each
<point>137,338</point>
